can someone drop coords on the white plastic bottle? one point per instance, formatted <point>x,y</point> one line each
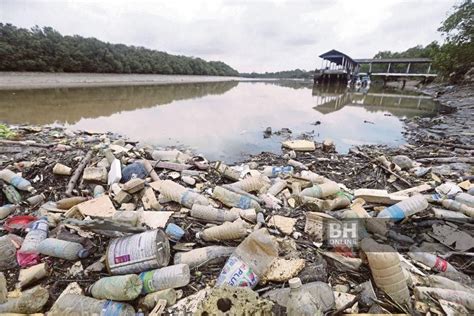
<point>301,302</point>
<point>17,181</point>
<point>165,278</point>
<point>210,213</point>
<point>199,256</point>
<point>465,198</point>
<point>459,207</point>
<point>272,172</point>
<point>405,208</point>
<point>7,209</point>
<point>321,190</point>
<point>118,288</point>
<point>251,184</point>
<point>433,261</point>
<point>226,231</point>
<point>233,199</point>
<point>28,253</point>
<point>175,192</point>
<point>73,305</point>
<point>62,249</point>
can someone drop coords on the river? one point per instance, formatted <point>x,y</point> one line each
<point>223,120</point>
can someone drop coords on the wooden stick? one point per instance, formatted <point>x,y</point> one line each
<point>448,144</point>
<point>24,143</point>
<point>469,160</point>
<point>78,173</point>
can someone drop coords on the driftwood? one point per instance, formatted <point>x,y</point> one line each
<point>78,172</point>
<point>24,143</point>
<point>469,160</point>
<point>448,144</point>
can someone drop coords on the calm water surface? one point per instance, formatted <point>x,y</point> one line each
<point>222,120</point>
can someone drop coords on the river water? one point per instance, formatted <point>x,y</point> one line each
<point>223,120</point>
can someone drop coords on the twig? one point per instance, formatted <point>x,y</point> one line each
<point>24,143</point>
<point>78,172</point>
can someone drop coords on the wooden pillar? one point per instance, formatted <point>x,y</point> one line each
<point>370,67</point>
<point>408,67</point>
<point>388,68</point>
<point>429,69</point>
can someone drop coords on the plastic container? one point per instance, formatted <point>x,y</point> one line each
<point>210,213</point>
<point>136,253</point>
<point>11,194</point>
<point>252,184</point>
<point>465,198</point>
<point>165,278</point>
<point>67,203</point>
<point>384,263</point>
<point>465,299</point>
<point>250,260</point>
<point>277,187</point>
<point>127,217</point>
<point>272,172</point>
<point>233,199</point>
<point>31,301</point>
<point>28,253</point>
<point>115,172</point>
<point>300,301</point>
<point>63,249</point>
<point>174,232</point>
<point>170,155</point>
<point>8,253</point>
<point>227,231</point>
<point>118,288</point>
<point>98,191</point>
<point>459,207</point>
<point>405,208</point>
<point>433,261</point>
<point>227,171</point>
<point>321,190</point>
<point>175,192</point>
<point>35,199</point>
<point>7,209</point>
<point>313,177</point>
<point>149,302</point>
<point>74,305</point>
<point>62,170</point>
<point>342,200</point>
<point>17,181</point>
<point>196,257</point>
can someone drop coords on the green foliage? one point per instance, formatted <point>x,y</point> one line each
<point>5,132</point>
<point>296,74</point>
<point>45,49</point>
<point>459,26</point>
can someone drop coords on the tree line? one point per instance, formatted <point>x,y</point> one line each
<point>46,50</point>
<point>289,74</point>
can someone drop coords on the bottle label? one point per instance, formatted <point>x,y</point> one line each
<point>237,273</point>
<point>396,212</point>
<point>147,279</point>
<point>440,265</point>
<point>112,308</point>
<point>244,202</point>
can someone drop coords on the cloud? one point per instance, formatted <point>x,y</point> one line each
<point>248,35</point>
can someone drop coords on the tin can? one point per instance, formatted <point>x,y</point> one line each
<point>140,252</point>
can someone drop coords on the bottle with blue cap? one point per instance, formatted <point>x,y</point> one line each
<point>405,208</point>
<point>174,232</point>
<point>62,249</point>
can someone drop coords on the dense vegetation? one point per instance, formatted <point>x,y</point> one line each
<point>45,49</point>
<point>296,74</point>
<point>455,57</point>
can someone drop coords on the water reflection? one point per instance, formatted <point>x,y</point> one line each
<point>70,105</point>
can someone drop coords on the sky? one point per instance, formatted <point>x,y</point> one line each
<point>250,36</point>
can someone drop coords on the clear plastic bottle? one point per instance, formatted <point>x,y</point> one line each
<point>118,288</point>
<point>7,209</point>
<point>387,272</point>
<point>8,253</point>
<point>465,198</point>
<point>62,249</point>
<point>175,192</point>
<point>28,253</point>
<point>74,305</point>
<point>321,190</point>
<point>252,184</point>
<point>433,261</point>
<point>277,187</point>
<point>300,301</point>
<point>459,207</point>
<point>226,171</point>
<point>313,177</point>
<point>233,199</point>
<point>227,231</point>
<point>199,256</point>
<point>17,181</point>
<point>272,172</point>
<point>174,276</point>
<point>170,155</point>
<point>463,298</point>
<point>11,194</point>
<point>250,260</point>
<point>405,208</point>
<point>31,301</point>
<point>210,213</point>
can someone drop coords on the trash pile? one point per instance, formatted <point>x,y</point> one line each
<point>97,224</point>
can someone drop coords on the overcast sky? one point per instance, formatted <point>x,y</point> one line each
<point>248,35</point>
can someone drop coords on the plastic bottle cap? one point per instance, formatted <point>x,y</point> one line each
<point>83,253</point>
<point>295,283</point>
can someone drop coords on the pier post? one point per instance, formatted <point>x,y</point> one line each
<point>408,68</point>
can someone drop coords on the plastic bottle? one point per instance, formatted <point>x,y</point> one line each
<point>31,301</point>
<point>115,172</point>
<point>465,198</point>
<point>8,253</point>
<point>73,305</point>
<point>62,170</point>
<point>170,155</point>
<point>321,190</point>
<point>445,283</point>
<point>277,187</point>
<point>252,184</point>
<point>233,199</point>
<point>272,172</point>
<point>463,298</point>
<point>300,302</point>
<point>67,203</point>
<point>384,263</point>
<point>150,170</point>
<point>11,194</point>
<point>459,207</point>
<point>210,213</point>
<point>118,288</point>
<point>196,257</point>
<point>175,192</point>
<point>342,200</point>
<point>250,260</point>
<point>227,171</point>
<point>227,231</point>
<point>150,300</point>
<point>28,253</point>
<point>3,288</point>
<point>433,261</point>
<point>165,278</point>
<point>17,181</point>
<point>313,177</point>
<point>7,209</point>
<point>127,217</point>
<point>297,164</point>
<point>62,249</point>
<point>98,191</point>
<point>405,208</point>
<point>35,199</point>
